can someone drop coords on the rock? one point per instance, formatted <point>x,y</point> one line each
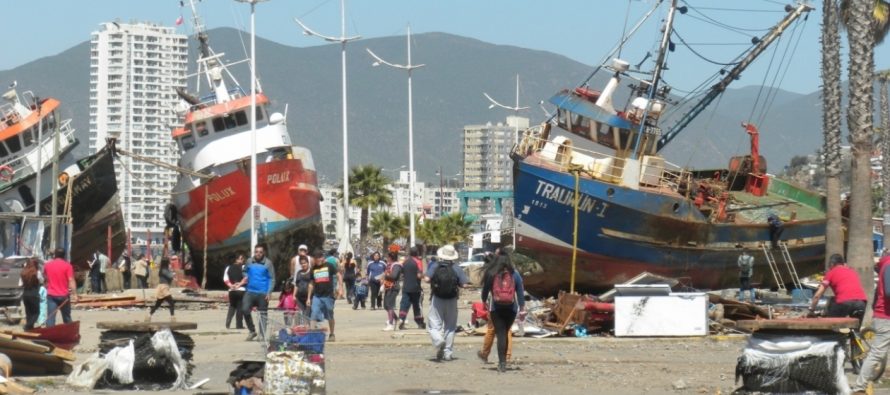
<point>679,385</point>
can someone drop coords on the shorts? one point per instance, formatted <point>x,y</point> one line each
<point>322,308</point>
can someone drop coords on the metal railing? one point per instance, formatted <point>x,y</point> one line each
<point>22,167</point>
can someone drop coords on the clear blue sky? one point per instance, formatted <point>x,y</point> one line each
<point>579,29</point>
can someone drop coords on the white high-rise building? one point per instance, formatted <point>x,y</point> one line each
<point>134,71</point>
<point>487,163</point>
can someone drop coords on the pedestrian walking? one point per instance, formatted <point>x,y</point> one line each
<point>480,313</point>
<point>746,270</point>
<point>412,274</point>
<point>301,282</point>
<point>125,269</point>
<point>61,290</point>
<point>287,303</point>
<point>259,284</point>
<point>31,281</point>
<point>162,292</point>
<point>502,290</point>
<point>294,266</point>
<point>391,288</point>
<point>96,274</point>
<point>880,344</point>
<point>232,277</point>
<point>445,279</point>
<point>361,292</point>
<point>321,292</point>
<point>349,272</point>
<point>376,267</point>
<point>140,270</point>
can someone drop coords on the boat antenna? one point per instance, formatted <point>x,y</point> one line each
<point>792,14</point>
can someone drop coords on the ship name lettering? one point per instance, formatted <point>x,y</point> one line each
<point>278,178</point>
<point>566,197</point>
<point>221,195</point>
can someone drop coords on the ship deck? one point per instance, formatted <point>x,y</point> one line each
<point>754,209</point>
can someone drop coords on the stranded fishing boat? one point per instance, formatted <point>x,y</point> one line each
<point>28,126</point>
<point>214,195</point>
<point>637,212</point>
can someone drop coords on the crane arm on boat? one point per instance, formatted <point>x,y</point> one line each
<point>733,74</point>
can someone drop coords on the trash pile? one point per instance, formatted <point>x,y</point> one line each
<point>33,357</point>
<point>134,356</point>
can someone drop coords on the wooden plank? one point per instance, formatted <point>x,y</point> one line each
<point>145,326</point>
<point>91,299</point>
<point>32,358</point>
<point>23,345</point>
<point>14,333</point>
<point>805,324</point>
<point>119,303</point>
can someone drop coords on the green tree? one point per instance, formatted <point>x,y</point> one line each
<point>862,20</point>
<point>386,225</point>
<point>367,190</point>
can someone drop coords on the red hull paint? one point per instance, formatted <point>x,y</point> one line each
<point>284,187</point>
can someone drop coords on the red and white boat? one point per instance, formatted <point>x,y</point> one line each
<point>215,140</point>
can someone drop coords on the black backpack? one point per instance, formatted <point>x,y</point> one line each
<point>444,283</point>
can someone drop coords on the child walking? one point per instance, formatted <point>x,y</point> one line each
<point>361,293</point>
<point>288,302</point>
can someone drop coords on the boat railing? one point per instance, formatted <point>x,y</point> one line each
<point>22,166</point>
<point>559,153</point>
<point>210,99</point>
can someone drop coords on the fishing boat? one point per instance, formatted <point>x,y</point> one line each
<point>636,212</point>
<point>28,126</point>
<point>212,195</point>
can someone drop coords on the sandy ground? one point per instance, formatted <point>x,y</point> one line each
<point>366,360</point>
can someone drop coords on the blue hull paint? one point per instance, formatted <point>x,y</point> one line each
<point>623,232</point>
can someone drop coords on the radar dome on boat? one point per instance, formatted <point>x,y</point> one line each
<point>620,65</point>
<point>181,108</point>
<point>276,118</point>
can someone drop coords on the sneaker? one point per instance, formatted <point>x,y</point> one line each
<point>421,325</point>
<point>481,356</point>
<point>388,328</point>
<point>332,338</point>
<point>448,358</point>
<point>251,336</point>
<point>440,351</point>
<point>502,367</point>
<point>402,325</point>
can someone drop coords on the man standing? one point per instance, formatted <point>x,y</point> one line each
<point>321,291</point>
<point>59,285</point>
<point>844,282</point>
<point>746,270</point>
<point>103,268</point>
<point>877,354</point>
<point>124,268</point>
<point>375,269</point>
<point>412,271</point>
<point>259,286</point>
<point>232,277</point>
<point>140,269</point>
<point>445,279</point>
<point>294,267</point>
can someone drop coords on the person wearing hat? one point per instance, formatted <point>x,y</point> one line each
<point>445,278</point>
<point>302,250</point>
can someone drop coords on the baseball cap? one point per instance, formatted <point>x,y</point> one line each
<point>302,247</point>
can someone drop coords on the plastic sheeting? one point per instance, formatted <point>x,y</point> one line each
<point>88,373</point>
<point>793,364</point>
<point>120,363</point>
<point>164,343</point>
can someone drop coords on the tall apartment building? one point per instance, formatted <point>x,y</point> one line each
<point>487,164</point>
<point>134,70</point>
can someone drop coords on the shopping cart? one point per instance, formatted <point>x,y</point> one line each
<point>294,355</point>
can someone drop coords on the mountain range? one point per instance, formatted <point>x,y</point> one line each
<point>448,94</point>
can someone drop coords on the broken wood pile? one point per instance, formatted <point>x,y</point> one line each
<point>725,313</point>
<point>570,310</point>
<point>35,357</point>
<point>94,302</point>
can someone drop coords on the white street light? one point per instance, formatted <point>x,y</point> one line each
<point>345,245</point>
<point>254,207</point>
<point>409,68</point>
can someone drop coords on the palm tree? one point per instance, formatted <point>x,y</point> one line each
<point>831,127</point>
<point>368,189</point>
<point>386,225</point>
<point>883,77</point>
<point>862,20</point>
<point>456,227</point>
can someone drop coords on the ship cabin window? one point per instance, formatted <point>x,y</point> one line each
<point>259,114</point>
<point>230,121</point>
<point>15,145</point>
<point>188,142</point>
<point>241,118</point>
<point>28,135</point>
<point>218,124</point>
<point>3,151</point>
<point>201,128</point>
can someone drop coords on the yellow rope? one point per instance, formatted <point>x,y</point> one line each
<point>575,231</point>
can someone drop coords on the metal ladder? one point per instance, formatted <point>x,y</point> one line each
<point>795,279</point>
<point>773,267</point>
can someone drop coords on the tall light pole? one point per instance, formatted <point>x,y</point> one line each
<point>254,207</point>
<point>409,68</point>
<point>345,244</point>
<point>515,109</point>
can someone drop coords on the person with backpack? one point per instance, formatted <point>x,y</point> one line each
<point>445,278</point>
<point>412,273</point>
<point>503,291</point>
<point>746,270</point>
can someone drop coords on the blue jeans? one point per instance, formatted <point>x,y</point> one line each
<point>322,308</point>
<point>53,302</point>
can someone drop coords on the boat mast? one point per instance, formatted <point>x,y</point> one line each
<point>733,74</point>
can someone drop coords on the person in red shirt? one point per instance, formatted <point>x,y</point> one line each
<point>880,344</point>
<point>844,282</point>
<point>59,285</point>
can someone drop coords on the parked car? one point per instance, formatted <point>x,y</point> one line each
<point>11,288</point>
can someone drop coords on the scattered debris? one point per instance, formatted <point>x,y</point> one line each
<point>679,385</point>
<point>35,357</point>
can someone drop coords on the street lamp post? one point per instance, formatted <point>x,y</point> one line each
<point>254,208</point>
<point>409,68</point>
<point>345,244</point>
<point>516,108</point>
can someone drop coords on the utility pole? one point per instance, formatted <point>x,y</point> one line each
<point>53,225</point>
